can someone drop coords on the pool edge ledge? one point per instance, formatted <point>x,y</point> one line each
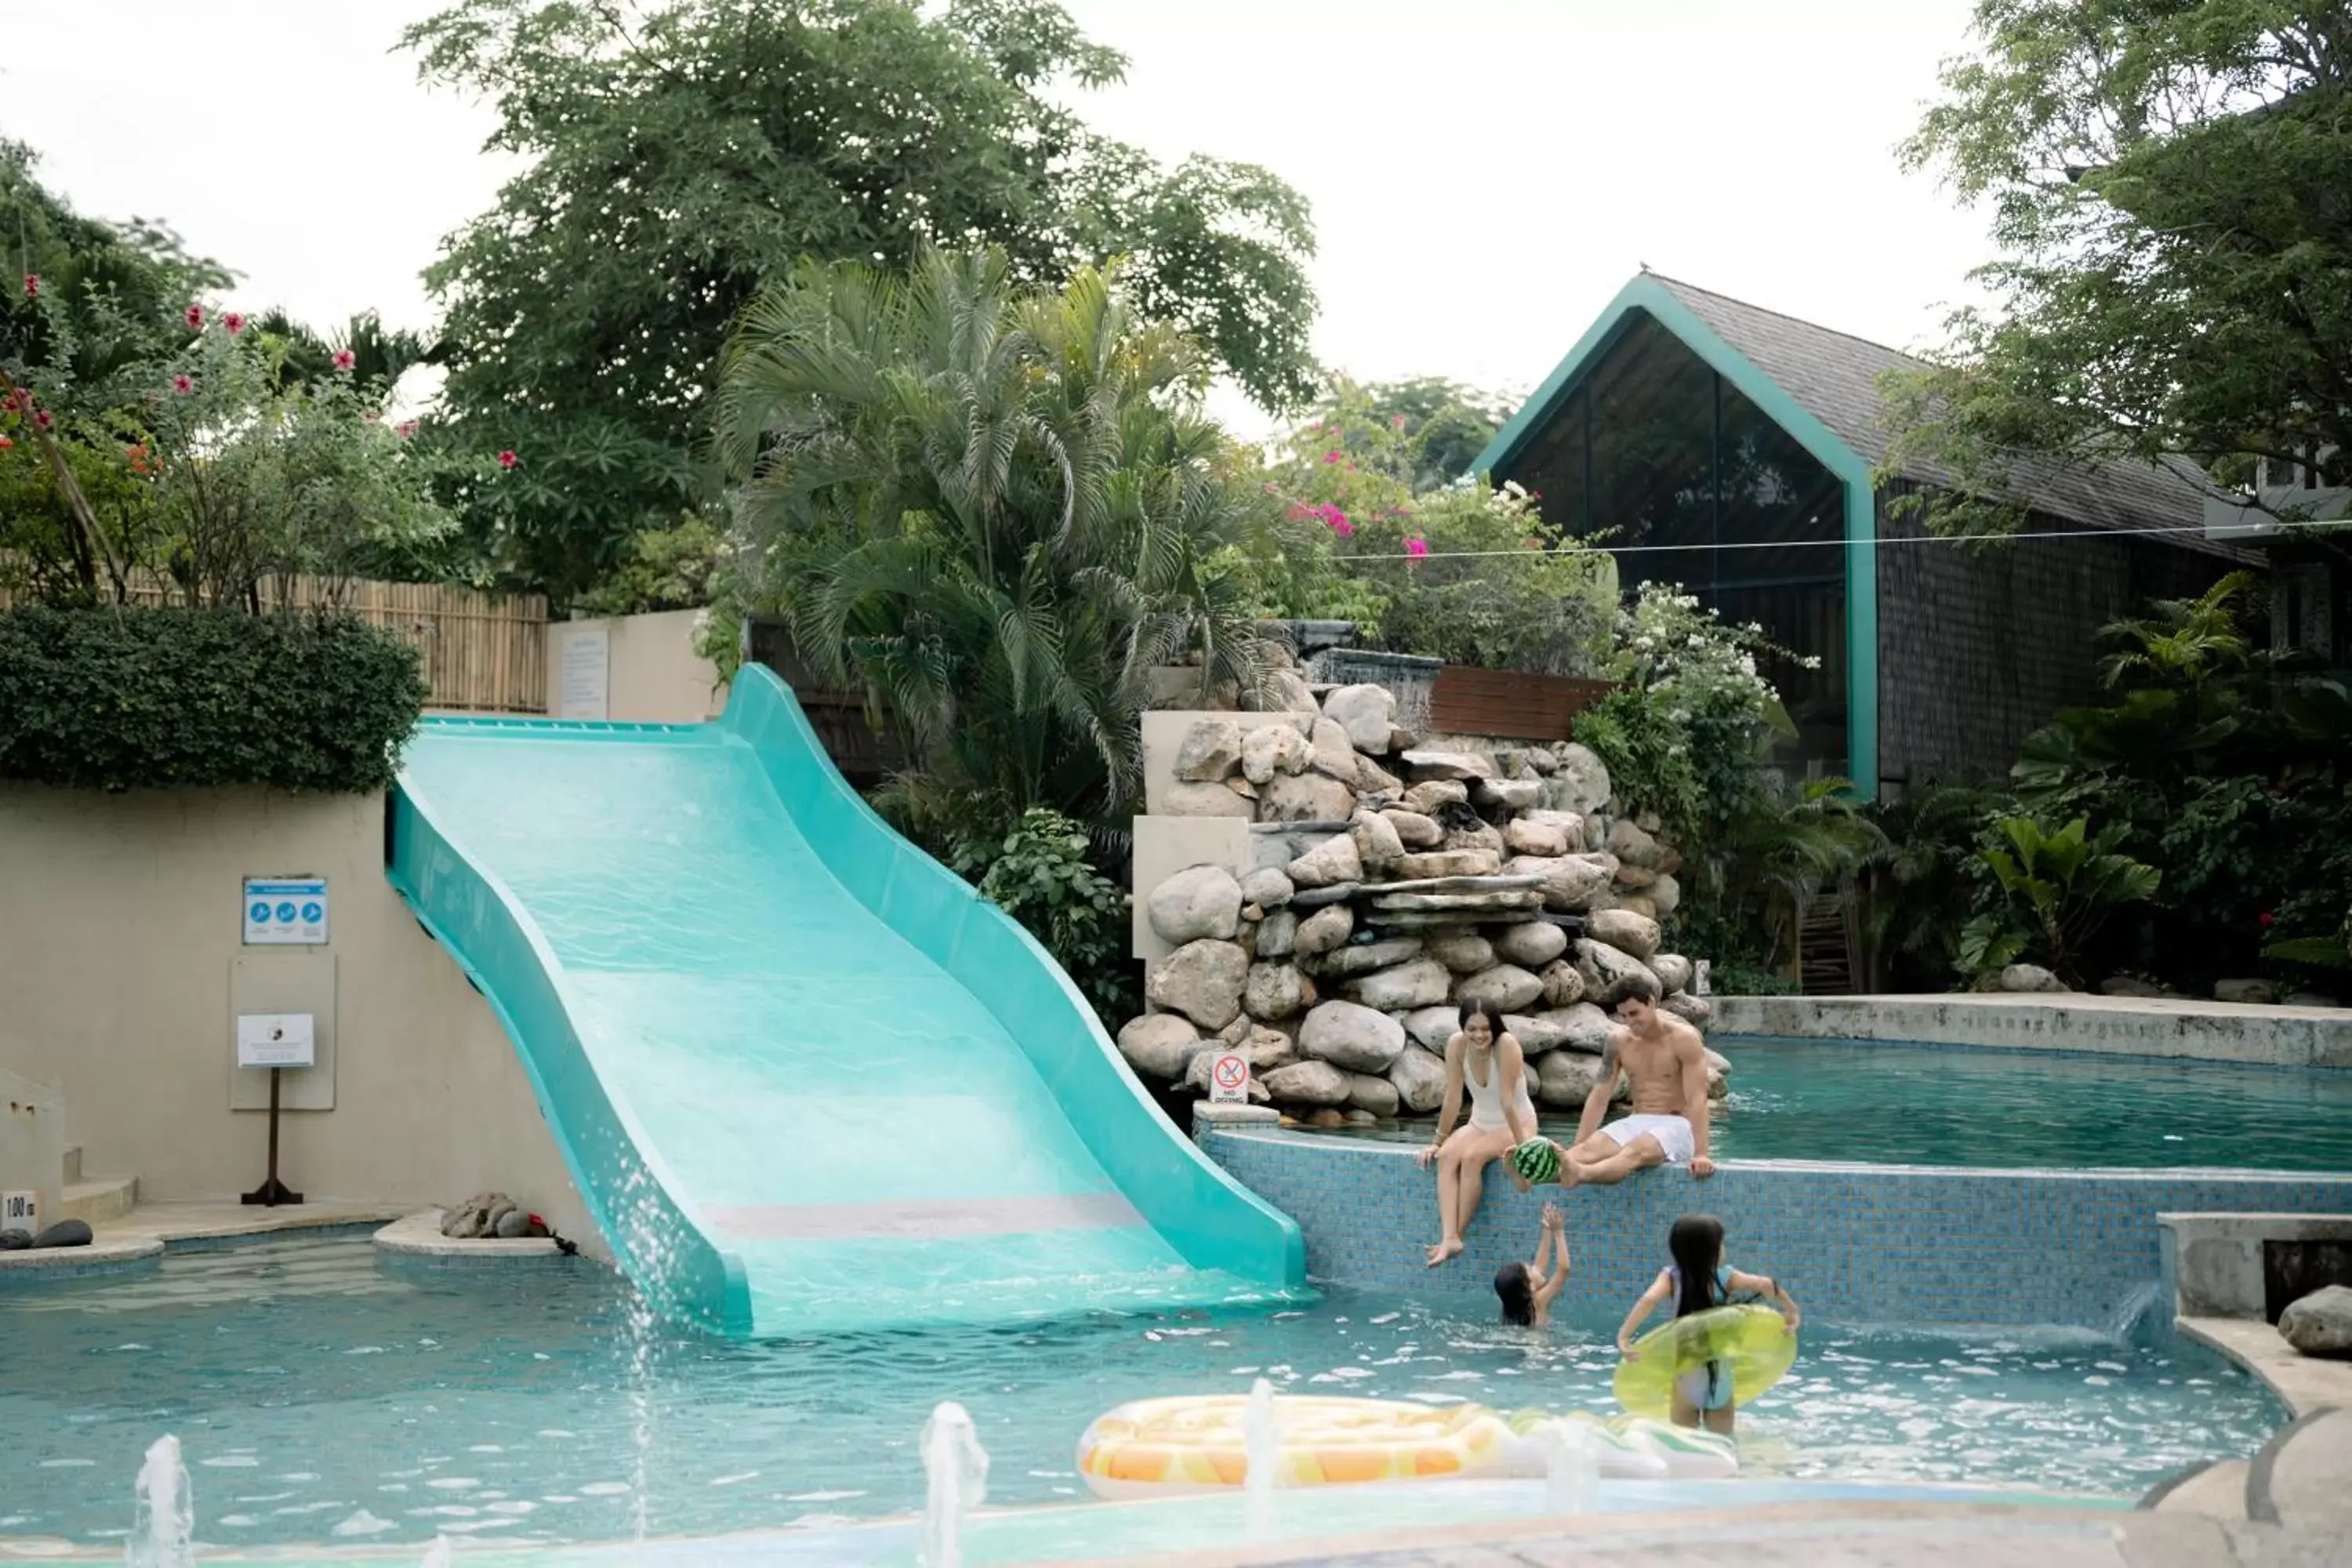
<point>2304,1384</point>
<point>2073,1023</point>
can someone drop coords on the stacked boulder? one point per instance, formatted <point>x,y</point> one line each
<point>1390,882</point>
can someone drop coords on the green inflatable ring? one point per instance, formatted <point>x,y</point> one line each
<point>1753,1341</point>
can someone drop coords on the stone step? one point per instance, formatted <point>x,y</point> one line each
<point>101,1198</point>
<point>2217,1490</point>
<point>2298,1478</point>
<point>73,1164</point>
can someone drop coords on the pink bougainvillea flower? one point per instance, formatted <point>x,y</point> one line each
<point>344,358</point>
<point>1300,511</point>
<point>41,420</point>
<point>195,316</point>
<point>407,427</point>
<point>1331,457</point>
<point>507,460</point>
<point>2268,918</point>
<point>1343,528</point>
<point>1396,421</point>
<point>1416,547</point>
<point>32,285</point>
<point>183,385</point>
<point>233,321</point>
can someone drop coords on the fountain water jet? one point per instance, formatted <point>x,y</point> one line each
<point>162,1531</point>
<point>955,1468</point>
<point>1571,1469</point>
<point>437,1554</point>
<point>1262,1448</point>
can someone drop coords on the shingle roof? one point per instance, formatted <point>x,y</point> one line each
<point>1834,376</point>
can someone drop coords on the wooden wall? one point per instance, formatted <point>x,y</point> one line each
<point>1980,645</point>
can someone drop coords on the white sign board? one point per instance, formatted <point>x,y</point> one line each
<point>584,663</point>
<point>21,1210</point>
<point>1699,977</point>
<point>1229,1078</point>
<point>274,1040</point>
<point>286,911</point>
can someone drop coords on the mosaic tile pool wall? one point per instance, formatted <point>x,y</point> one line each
<point>1857,1243</point>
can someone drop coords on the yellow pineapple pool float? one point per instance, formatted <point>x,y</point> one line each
<point>1158,1448</point>
<point>1193,1443</point>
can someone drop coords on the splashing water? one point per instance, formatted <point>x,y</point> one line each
<point>437,1554</point>
<point>647,1239</point>
<point>161,1530</point>
<point>955,1468</point>
<point>1262,1448</point>
<point>1571,1469</point>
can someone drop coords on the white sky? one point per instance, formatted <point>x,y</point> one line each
<point>1485,174</point>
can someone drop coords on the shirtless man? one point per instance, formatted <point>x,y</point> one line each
<point>1663,1057</point>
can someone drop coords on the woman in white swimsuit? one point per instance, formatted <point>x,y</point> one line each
<point>1484,1058</point>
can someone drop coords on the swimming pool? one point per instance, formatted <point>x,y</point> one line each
<point>1948,1105</point>
<point>324,1397</point>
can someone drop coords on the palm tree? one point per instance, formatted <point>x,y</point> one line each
<point>995,508</point>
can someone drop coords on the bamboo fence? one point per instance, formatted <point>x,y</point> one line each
<point>480,652</point>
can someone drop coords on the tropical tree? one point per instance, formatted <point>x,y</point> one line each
<point>679,152</point>
<point>2167,183</point>
<point>2060,888</point>
<point>1439,425</point>
<point>993,507</point>
<point>1783,850</point>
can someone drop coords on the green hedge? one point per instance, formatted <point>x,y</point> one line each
<point>134,699</point>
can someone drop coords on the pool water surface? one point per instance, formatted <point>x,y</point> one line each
<point>324,1397</point>
<point>1945,1105</point>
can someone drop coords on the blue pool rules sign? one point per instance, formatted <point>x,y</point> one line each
<point>286,911</point>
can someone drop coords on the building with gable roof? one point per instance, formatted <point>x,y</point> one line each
<point>1734,450</point>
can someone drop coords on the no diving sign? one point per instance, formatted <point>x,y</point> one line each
<point>1229,1078</point>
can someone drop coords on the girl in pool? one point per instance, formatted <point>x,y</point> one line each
<point>1699,1280</point>
<point>1486,1060</point>
<point>1526,1290</point>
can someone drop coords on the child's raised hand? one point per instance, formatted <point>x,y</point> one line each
<point>1551,1216</point>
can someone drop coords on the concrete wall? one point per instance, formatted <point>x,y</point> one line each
<point>652,674</point>
<point>121,958</point>
<point>32,1146</point>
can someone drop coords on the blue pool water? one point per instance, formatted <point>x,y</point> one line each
<point>324,1397</point>
<point>1943,1105</point>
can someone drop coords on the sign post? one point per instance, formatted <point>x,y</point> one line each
<point>276,1041</point>
<point>21,1210</point>
<point>1699,976</point>
<point>1229,1078</point>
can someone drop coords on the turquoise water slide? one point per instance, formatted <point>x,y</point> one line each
<point>806,1079</point>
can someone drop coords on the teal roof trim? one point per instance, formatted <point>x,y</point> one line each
<point>1649,293</point>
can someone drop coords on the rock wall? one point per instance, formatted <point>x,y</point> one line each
<point>1387,882</point>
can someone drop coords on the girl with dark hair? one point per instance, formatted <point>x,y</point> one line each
<point>1698,1280</point>
<point>1483,1057</point>
<point>1526,1290</point>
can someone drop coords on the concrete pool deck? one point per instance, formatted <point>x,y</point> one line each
<point>1821,1536</point>
<point>2067,1021</point>
<point>1841,1533</point>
